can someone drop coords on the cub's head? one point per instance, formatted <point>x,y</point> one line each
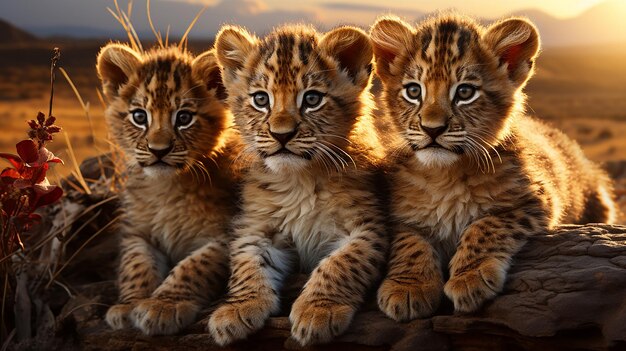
<point>450,85</point>
<point>295,94</point>
<point>163,106</point>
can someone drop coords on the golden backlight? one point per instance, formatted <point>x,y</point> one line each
<point>579,86</point>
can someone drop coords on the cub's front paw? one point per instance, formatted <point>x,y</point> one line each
<point>118,316</point>
<point>405,301</point>
<point>156,316</point>
<point>314,321</point>
<point>470,289</point>
<point>235,321</point>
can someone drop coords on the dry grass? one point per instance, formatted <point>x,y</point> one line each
<point>75,124</point>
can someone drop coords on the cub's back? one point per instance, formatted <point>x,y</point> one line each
<point>578,188</point>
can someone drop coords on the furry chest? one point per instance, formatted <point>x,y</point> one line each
<point>170,220</point>
<point>445,207</point>
<point>303,217</point>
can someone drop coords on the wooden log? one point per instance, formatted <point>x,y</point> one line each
<point>565,290</point>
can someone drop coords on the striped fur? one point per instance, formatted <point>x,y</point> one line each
<point>174,252</point>
<point>310,207</point>
<point>494,177</point>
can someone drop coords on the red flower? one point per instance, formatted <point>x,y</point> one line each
<point>29,174</point>
<point>42,128</point>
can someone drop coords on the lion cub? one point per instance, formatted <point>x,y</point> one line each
<point>301,103</point>
<point>164,112</point>
<point>475,176</point>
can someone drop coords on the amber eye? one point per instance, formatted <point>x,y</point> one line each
<point>140,117</point>
<point>465,92</point>
<point>412,92</point>
<point>261,100</point>
<point>184,118</point>
<point>312,99</point>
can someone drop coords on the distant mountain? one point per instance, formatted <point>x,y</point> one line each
<point>11,34</point>
<point>76,32</point>
<point>603,23</point>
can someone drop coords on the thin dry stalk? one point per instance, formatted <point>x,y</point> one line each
<point>124,20</point>
<point>63,229</point>
<point>83,104</point>
<point>183,41</point>
<point>167,36</point>
<point>56,56</point>
<point>76,172</point>
<point>105,227</point>
<point>101,98</point>
<point>156,33</point>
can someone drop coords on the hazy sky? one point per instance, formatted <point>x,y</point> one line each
<point>483,8</point>
<point>89,18</point>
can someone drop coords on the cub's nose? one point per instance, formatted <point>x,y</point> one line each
<point>434,132</point>
<point>283,138</point>
<point>160,152</point>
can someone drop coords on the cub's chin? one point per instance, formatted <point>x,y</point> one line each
<point>436,157</point>
<point>284,162</point>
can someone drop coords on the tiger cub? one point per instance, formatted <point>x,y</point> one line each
<point>474,177</point>
<point>301,102</point>
<point>164,112</point>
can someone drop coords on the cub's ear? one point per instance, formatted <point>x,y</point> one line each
<point>115,64</point>
<point>205,69</point>
<point>352,48</point>
<point>390,37</point>
<point>233,44</point>
<point>515,42</point>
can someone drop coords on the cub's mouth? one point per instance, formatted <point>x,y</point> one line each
<point>160,164</point>
<point>286,153</point>
<point>432,145</point>
<point>282,151</point>
<point>157,163</point>
<point>436,146</point>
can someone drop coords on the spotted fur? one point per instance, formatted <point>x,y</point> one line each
<point>474,176</point>
<point>308,199</point>
<point>181,190</point>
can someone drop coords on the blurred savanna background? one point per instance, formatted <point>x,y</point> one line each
<point>580,85</point>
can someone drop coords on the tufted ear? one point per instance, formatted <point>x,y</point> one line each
<point>115,64</point>
<point>515,41</point>
<point>233,44</point>
<point>205,69</point>
<point>390,36</point>
<point>351,47</point>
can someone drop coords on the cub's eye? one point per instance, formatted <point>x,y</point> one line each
<point>260,100</point>
<point>184,118</point>
<point>412,92</point>
<point>312,99</point>
<point>139,117</point>
<point>465,93</point>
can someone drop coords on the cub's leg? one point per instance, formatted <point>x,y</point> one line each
<point>142,269</point>
<point>478,268</point>
<point>193,283</point>
<point>258,270</point>
<point>413,286</point>
<point>338,286</point>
